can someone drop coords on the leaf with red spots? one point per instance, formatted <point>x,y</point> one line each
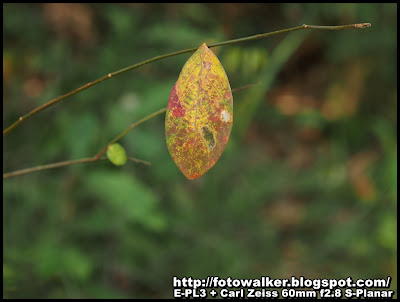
<point>199,116</point>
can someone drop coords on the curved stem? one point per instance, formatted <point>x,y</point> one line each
<point>123,133</point>
<point>110,75</point>
<point>103,150</point>
<point>94,158</point>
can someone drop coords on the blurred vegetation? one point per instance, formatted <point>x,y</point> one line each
<point>306,186</point>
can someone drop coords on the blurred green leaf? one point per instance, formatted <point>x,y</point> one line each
<point>52,262</point>
<point>127,198</point>
<point>248,107</point>
<point>387,232</point>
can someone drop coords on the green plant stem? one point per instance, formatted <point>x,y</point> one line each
<point>110,75</point>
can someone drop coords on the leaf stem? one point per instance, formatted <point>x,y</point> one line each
<point>110,75</point>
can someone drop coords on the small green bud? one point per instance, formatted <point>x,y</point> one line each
<point>116,154</point>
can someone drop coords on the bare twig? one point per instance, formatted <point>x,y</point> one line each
<point>123,133</point>
<point>244,87</point>
<point>140,161</point>
<point>94,158</point>
<point>110,75</point>
<point>99,154</point>
<point>50,166</point>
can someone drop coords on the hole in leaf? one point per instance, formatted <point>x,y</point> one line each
<point>208,136</point>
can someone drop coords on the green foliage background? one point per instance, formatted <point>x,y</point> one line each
<point>306,186</point>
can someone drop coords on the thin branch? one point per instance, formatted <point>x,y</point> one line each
<point>94,158</point>
<point>123,133</point>
<point>244,87</point>
<point>103,150</point>
<point>110,75</point>
<point>98,157</point>
<point>50,166</point>
<point>140,161</point>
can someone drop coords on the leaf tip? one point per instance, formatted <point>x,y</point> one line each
<point>204,45</point>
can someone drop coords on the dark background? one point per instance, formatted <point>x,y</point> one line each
<point>305,187</point>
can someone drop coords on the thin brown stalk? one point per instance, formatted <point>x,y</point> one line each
<point>112,74</point>
<point>98,155</point>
